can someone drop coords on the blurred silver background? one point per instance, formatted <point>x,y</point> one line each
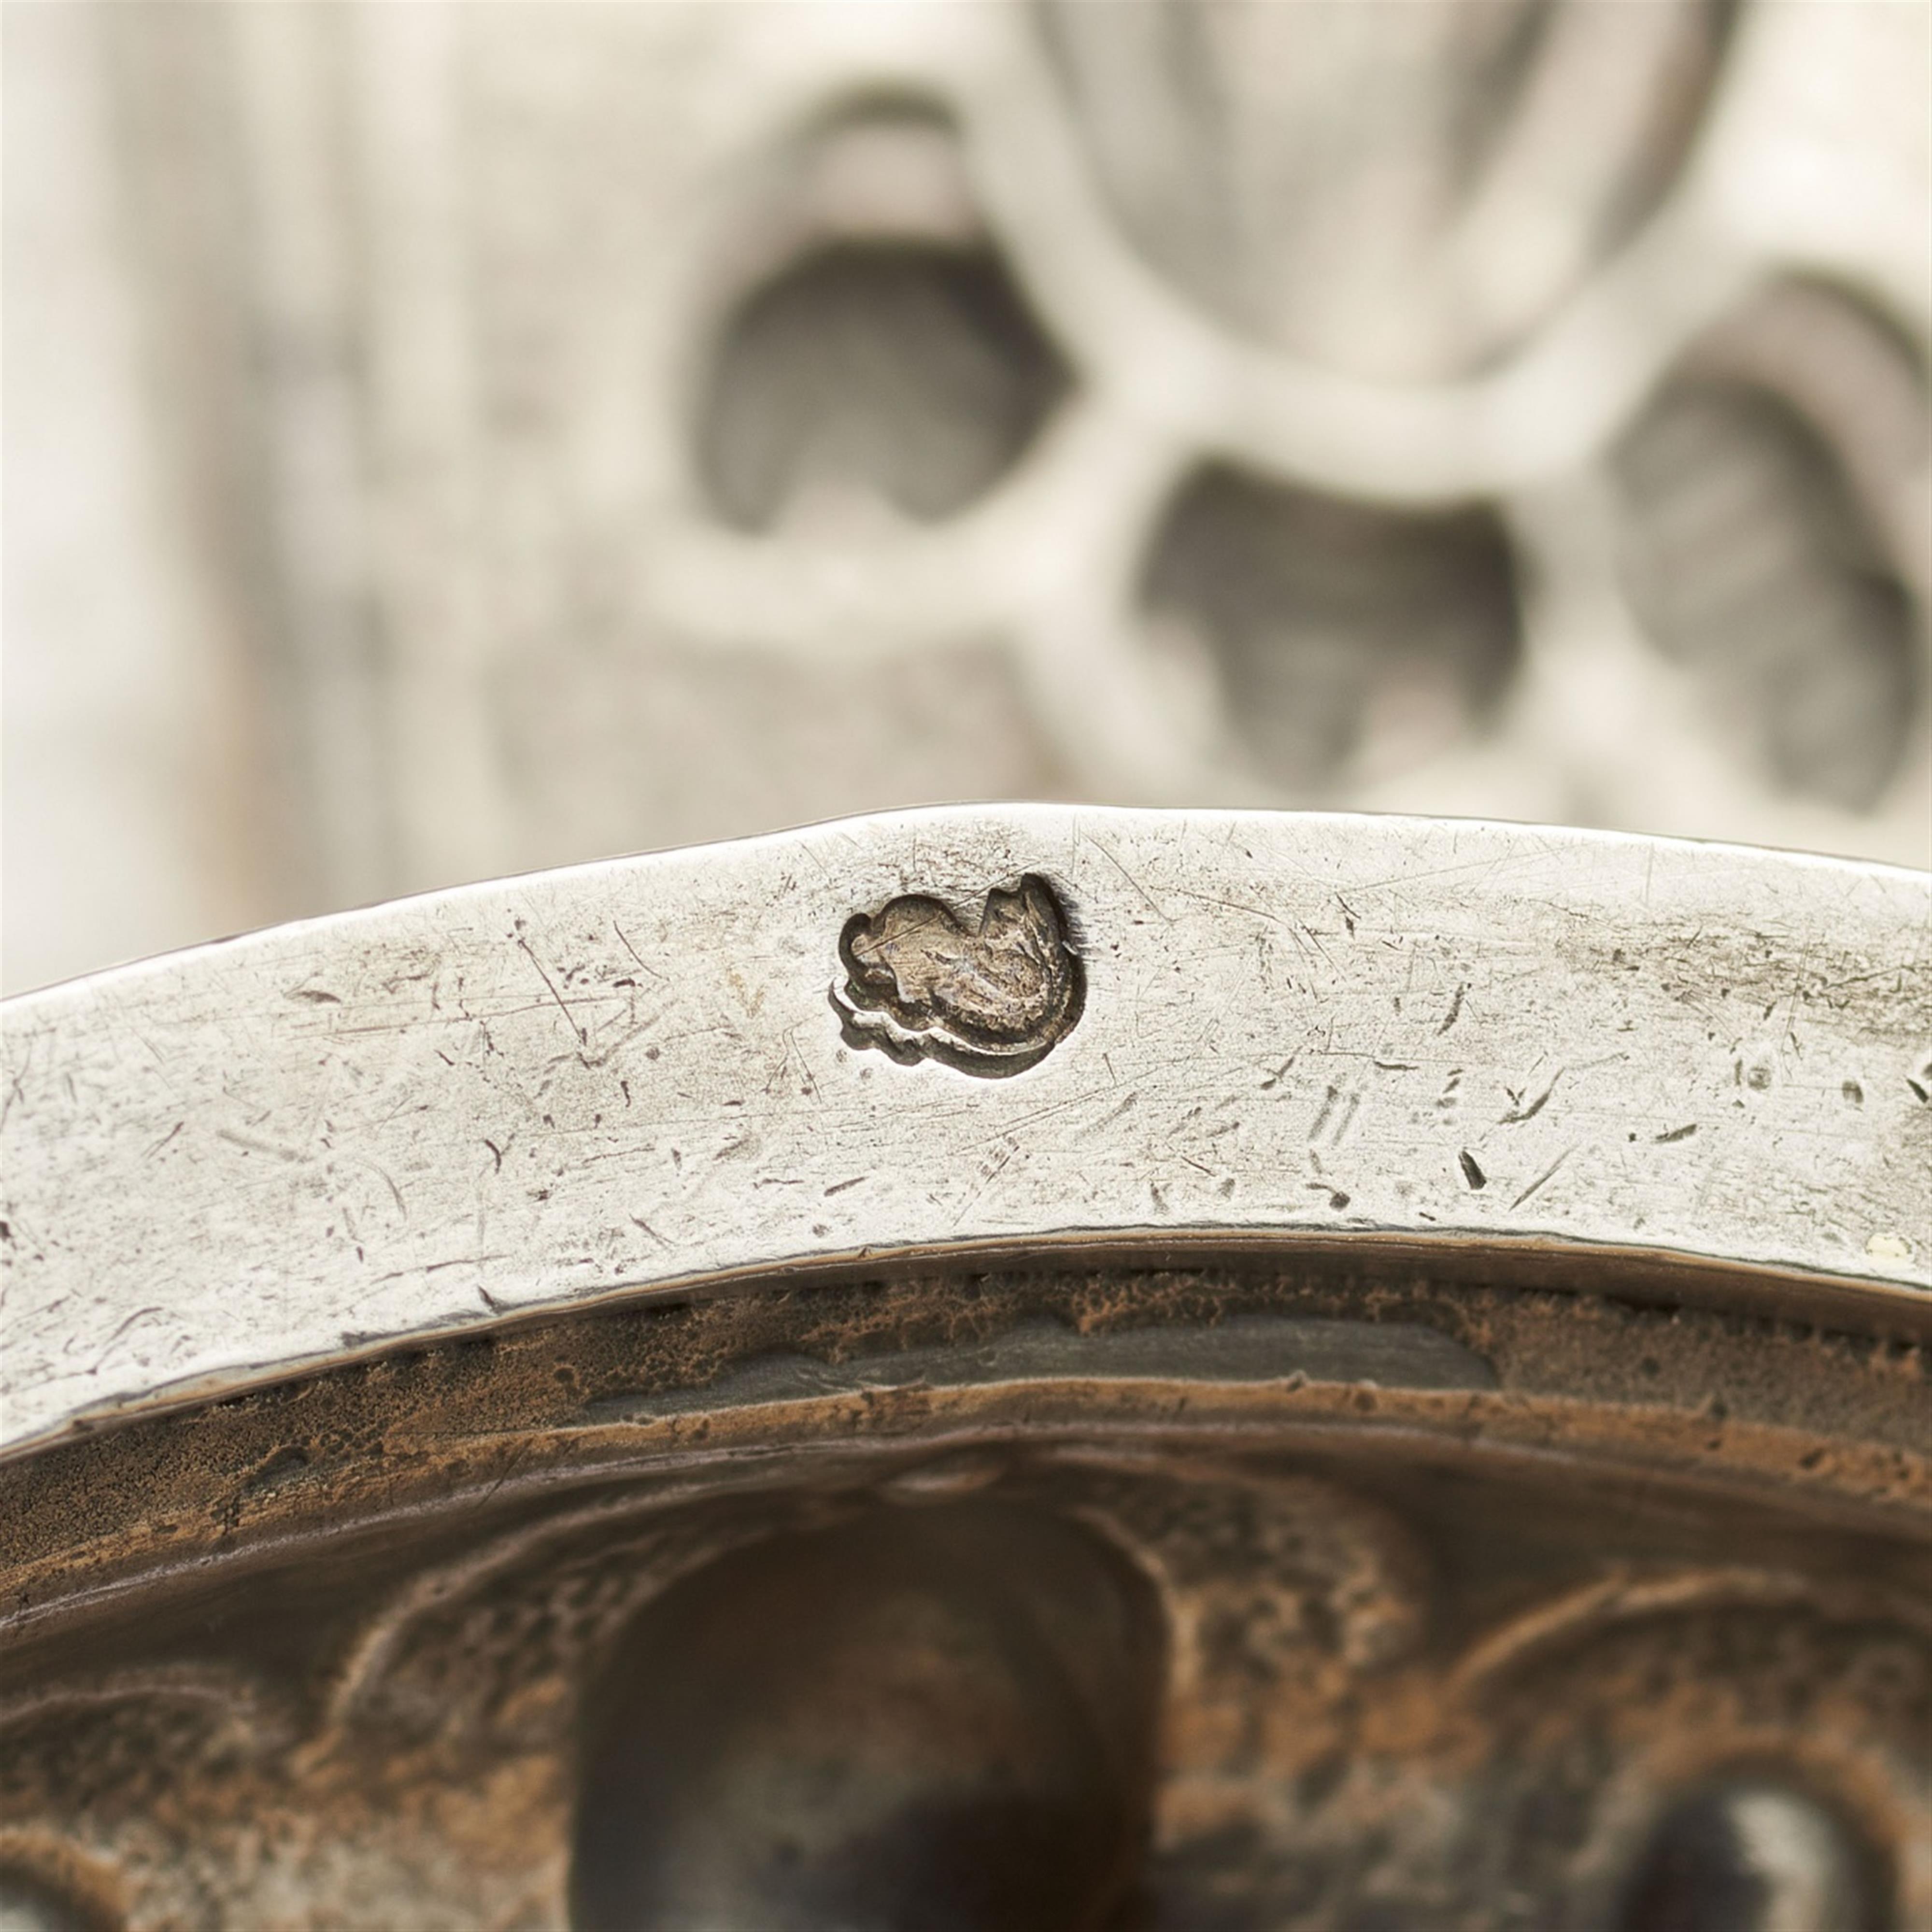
<point>441,441</point>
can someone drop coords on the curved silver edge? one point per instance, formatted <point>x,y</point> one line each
<point>226,1165</point>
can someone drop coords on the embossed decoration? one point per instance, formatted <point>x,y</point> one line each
<point>991,999</point>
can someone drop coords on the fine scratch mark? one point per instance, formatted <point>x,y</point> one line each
<point>1543,1176</point>
<point>805,846</point>
<point>1232,905</point>
<point>1300,928</point>
<point>563,1005</point>
<point>107,1347</point>
<point>1790,1039</point>
<point>164,1140</point>
<point>402,1206</point>
<point>420,1268</point>
<point>840,1186</point>
<point>804,1072</point>
<point>248,1143</point>
<point>794,1053</point>
<point>1518,1112</point>
<point>1153,905</point>
<point>1040,1113</point>
<point>987,1176</point>
<point>637,955</point>
<point>16,1088</point>
<point>590,1061</point>
<point>638,1221</point>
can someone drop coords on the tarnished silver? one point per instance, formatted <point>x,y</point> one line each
<point>518,1099</point>
<point>996,1368</point>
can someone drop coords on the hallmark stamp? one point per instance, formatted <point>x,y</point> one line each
<point>990,998</point>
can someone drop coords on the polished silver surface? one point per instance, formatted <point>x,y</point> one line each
<point>526,1097</point>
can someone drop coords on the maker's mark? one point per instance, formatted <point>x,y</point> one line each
<point>993,999</point>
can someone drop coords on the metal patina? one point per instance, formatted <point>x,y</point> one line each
<point>991,1367</point>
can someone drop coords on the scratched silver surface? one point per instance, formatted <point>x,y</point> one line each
<point>225,1163</point>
